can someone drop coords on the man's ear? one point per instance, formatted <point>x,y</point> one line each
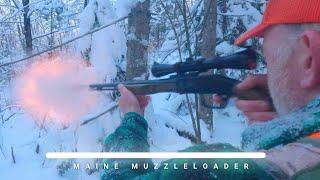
<point>310,40</point>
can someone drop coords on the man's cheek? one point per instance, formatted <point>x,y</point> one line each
<point>270,69</point>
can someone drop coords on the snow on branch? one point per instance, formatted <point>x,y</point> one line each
<point>19,10</point>
<point>232,14</point>
<point>65,43</point>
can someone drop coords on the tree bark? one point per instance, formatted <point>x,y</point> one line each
<point>225,24</point>
<point>208,45</point>
<point>138,38</point>
<point>85,3</point>
<point>27,27</point>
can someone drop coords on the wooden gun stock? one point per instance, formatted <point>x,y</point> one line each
<point>253,94</point>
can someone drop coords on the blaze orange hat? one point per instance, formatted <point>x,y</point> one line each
<point>284,12</point>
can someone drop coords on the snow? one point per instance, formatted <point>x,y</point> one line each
<point>228,124</point>
<point>123,7</point>
<point>226,48</point>
<point>23,137</point>
<point>106,45</point>
<point>164,114</point>
<point>27,171</point>
<point>23,134</point>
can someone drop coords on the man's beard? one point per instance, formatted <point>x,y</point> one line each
<point>284,97</point>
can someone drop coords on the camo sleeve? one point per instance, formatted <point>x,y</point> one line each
<point>130,136</point>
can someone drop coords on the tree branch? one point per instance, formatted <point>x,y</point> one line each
<point>99,115</point>
<point>65,43</point>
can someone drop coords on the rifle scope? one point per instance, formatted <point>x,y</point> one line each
<point>245,59</point>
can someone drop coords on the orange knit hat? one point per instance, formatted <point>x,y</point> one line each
<point>284,12</point>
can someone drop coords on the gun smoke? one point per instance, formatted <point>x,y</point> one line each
<point>56,89</point>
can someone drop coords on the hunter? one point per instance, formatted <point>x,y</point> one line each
<point>291,45</point>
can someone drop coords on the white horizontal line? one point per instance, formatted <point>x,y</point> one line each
<point>160,155</point>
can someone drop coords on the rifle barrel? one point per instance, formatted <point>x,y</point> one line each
<point>140,87</point>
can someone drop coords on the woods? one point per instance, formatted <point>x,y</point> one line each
<point>121,40</point>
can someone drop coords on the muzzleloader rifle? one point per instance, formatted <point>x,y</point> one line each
<point>188,78</point>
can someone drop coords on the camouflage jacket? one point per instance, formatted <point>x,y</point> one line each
<point>289,154</point>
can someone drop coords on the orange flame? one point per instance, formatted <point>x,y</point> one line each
<point>57,89</point>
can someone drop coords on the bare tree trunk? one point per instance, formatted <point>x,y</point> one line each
<point>85,3</point>
<point>185,22</point>
<point>139,29</point>
<point>225,24</point>
<point>208,45</point>
<point>27,27</point>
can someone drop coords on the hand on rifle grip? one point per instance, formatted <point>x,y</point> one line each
<point>254,99</point>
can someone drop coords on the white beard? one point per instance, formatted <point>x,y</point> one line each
<point>284,97</point>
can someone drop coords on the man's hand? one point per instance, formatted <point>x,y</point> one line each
<point>255,110</point>
<point>128,102</point>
